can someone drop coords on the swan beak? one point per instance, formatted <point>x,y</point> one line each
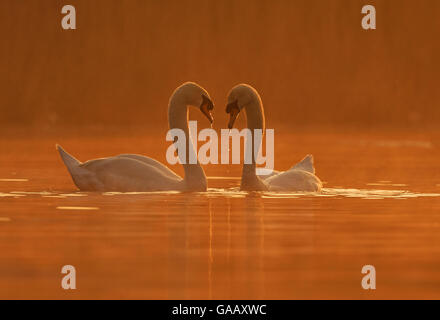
<point>233,110</point>
<point>206,107</point>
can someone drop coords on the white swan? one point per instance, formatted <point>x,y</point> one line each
<point>300,177</point>
<point>132,172</point>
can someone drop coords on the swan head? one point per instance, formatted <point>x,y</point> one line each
<point>192,94</point>
<point>206,108</point>
<point>239,97</point>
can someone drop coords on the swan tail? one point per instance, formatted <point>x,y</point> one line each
<point>70,161</point>
<point>306,164</point>
<point>72,164</point>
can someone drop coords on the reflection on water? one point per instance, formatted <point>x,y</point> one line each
<point>224,243</point>
<point>387,183</point>
<point>78,208</point>
<point>376,194</point>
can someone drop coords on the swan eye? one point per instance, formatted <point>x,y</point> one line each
<point>233,106</point>
<point>208,102</point>
<point>206,107</point>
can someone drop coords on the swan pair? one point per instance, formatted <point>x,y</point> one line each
<point>132,172</point>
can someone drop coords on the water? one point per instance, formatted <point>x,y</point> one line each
<point>380,206</point>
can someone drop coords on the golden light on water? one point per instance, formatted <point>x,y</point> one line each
<point>364,103</point>
<point>78,208</point>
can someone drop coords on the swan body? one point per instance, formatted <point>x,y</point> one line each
<point>137,173</point>
<point>300,177</point>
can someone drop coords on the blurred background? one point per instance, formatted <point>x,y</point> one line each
<point>310,60</point>
<point>364,103</point>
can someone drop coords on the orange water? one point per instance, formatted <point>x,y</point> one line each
<point>380,206</point>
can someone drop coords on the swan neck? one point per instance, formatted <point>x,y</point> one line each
<point>255,120</point>
<point>255,114</point>
<point>195,178</point>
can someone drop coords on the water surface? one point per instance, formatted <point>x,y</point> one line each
<point>380,206</point>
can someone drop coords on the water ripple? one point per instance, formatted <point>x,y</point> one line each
<point>339,192</point>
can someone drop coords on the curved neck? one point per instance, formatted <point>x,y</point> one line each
<point>195,178</point>
<point>255,120</point>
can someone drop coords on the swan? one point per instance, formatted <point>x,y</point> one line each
<point>137,173</point>
<point>300,177</point>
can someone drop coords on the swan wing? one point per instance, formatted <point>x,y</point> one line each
<point>128,174</point>
<point>294,180</point>
<point>263,176</point>
<point>150,161</point>
<point>120,174</point>
<point>306,164</point>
